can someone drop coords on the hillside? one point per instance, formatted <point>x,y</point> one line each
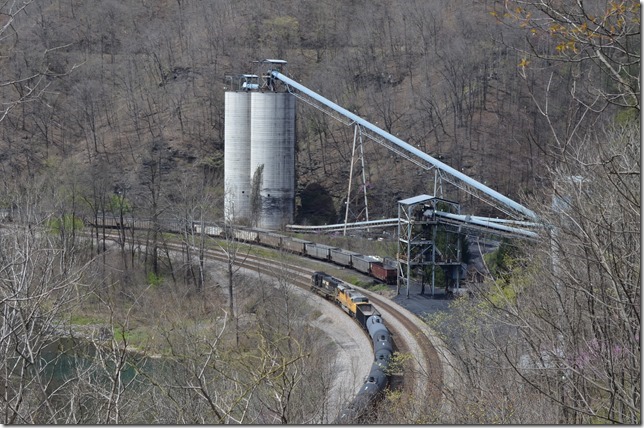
<point>142,83</point>
<point>116,108</point>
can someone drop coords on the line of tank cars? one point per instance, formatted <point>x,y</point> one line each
<point>357,305</point>
<point>368,265</point>
<point>353,302</point>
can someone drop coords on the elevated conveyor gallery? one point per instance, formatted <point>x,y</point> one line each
<point>395,144</point>
<point>501,227</point>
<point>522,222</point>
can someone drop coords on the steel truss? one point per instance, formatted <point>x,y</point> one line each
<point>419,227</point>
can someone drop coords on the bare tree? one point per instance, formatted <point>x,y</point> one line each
<point>194,201</point>
<point>24,85</point>
<point>599,39</point>
<point>560,328</point>
<point>36,291</point>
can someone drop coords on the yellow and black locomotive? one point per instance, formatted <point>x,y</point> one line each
<point>357,305</point>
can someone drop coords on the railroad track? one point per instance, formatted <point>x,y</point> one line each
<point>427,366</point>
<point>423,373</point>
<point>423,378</point>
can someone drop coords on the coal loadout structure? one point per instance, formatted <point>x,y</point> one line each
<point>259,174</point>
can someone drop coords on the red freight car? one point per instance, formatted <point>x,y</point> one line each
<point>386,274</point>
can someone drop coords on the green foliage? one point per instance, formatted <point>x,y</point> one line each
<point>397,362</point>
<point>67,223</point>
<point>445,207</point>
<point>465,318</point>
<point>501,295</point>
<point>447,243</point>
<point>256,186</point>
<point>463,86</point>
<point>376,287</point>
<point>510,275</point>
<point>499,262</point>
<point>439,276</point>
<point>627,115</point>
<point>118,204</point>
<point>154,280</point>
<point>465,250</point>
<point>212,162</point>
<point>133,337</point>
<point>355,281</point>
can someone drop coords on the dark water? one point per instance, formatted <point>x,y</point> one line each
<point>68,363</point>
<point>79,376</point>
<point>64,359</point>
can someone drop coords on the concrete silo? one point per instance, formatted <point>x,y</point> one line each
<point>237,130</point>
<point>272,158</point>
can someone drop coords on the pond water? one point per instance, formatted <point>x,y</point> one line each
<point>68,361</point>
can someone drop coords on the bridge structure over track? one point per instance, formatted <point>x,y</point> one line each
<point>521,222</point>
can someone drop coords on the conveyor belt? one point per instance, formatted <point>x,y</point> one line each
<point>422,159</point>
<point>513,228</point>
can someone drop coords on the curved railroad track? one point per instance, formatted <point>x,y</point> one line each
<point>423,375</point>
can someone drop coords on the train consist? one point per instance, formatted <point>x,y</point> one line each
<point>367,265</point>
<point>357,305</point>
<point>353,302</point>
